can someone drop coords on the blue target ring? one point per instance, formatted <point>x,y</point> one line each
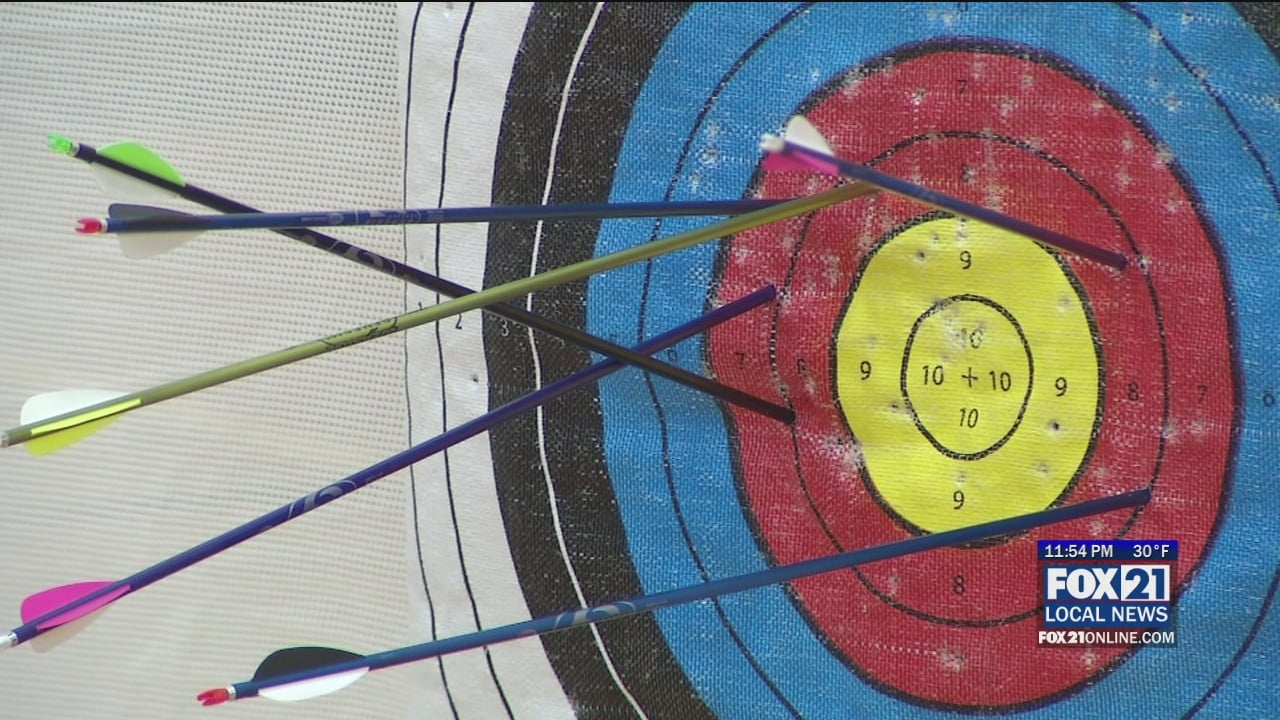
<point>694,132</point>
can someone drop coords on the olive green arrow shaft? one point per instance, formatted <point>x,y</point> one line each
<point>499,293</point>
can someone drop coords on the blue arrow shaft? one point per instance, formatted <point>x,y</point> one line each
<point>715,588</point>
<point>960,207</point>
<point>397,462</point>
<point>429,216</point>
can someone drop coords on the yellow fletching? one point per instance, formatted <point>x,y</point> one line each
<point>56,435</point>
<point>59,439</point>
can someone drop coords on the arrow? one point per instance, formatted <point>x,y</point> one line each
<point>124,218</point>
<point>46,427</point>
<point>50,608</point>
<point>797,150</point>
<point>303,673</point>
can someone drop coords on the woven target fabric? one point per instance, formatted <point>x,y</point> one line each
<point>281,106</point>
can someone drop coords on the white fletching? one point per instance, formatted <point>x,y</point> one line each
<point>137,246</point>
<point>60,402</point>
<point>802,132</point>
<point>307,689</point>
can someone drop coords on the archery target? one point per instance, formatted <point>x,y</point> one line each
<point>978,375</point>
<point>943,373</point>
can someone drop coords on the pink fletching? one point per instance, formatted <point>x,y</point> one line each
<point>775,162</point>
<point>47,601</point>
<point>799,156</point>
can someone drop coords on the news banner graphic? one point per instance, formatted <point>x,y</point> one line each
<point>1107,593</point>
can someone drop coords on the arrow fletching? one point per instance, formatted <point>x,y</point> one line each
<point>42,602</point>
<point>288,661</point>
<point>300,659</point>
<point>296,659</point>
<point>63,402</point>
<point>142,245</point>
<point>800,132</point>
<point>308,689</point>
<point>116,184</point>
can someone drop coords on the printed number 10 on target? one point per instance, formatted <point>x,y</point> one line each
<point>1107,592</point>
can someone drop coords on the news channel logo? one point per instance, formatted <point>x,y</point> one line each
<point>1107,592</point>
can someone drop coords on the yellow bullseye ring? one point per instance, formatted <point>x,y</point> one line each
<point>967,371</point>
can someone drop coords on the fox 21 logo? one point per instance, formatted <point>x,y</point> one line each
<point>1133,583</point>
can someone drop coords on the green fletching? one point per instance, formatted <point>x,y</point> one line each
<point>137,156</point>
<point>59,144</point>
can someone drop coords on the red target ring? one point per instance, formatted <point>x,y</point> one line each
<point>977,126</point>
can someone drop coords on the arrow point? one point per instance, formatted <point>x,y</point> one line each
<point>8,641</point>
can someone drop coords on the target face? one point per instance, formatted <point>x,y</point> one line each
<point>944,373</point>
